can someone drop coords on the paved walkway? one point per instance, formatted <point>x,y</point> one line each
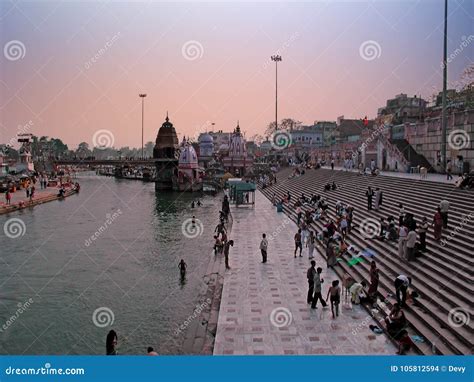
<point>438,178</point>
<point>20,195</point>
<point>263,308</point>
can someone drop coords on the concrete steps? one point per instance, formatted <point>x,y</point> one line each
<point>443,277</point>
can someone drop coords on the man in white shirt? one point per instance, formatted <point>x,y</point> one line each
<point>263,248</point>
<point>410,245</point>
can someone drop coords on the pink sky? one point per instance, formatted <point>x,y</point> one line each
<point>140,47</point>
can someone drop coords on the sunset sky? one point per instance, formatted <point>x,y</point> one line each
<point>80,66</point>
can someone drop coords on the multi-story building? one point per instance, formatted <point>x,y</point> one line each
<point>403,109</point>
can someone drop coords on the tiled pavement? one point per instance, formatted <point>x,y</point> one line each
<point>263,308</point>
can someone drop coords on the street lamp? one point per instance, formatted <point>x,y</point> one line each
<point>445,76</point>
<point>276,58</point>
<point>142,96</point>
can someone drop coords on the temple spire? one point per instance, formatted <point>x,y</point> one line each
<point>167,119</point>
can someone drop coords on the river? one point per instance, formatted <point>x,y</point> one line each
<point>61,290</point>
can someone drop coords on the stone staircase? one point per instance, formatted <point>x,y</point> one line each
<point>412,157</point>
<point>443,277</point>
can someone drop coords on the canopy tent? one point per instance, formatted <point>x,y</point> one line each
<point>241,192</point>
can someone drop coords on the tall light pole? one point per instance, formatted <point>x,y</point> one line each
<point>142,96</point>
<point>445,76</point>
<point>277,59</point>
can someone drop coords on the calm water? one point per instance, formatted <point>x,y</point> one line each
<point>131,269</point>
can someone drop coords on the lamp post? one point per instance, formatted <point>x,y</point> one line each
<point>142,96</point>
<point>445,75</point>
<point>277,59</point>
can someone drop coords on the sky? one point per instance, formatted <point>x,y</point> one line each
<point>73,70</point>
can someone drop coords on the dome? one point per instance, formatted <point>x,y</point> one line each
<point>237,146</point>
<point>166,141</point>
<point>188,157</point>
<point>206,138</point>
<point>224,147</point>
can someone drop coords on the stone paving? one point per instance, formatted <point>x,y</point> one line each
<point>263,308</point>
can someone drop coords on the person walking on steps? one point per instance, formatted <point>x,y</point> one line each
<point>310,243</point>
<point>370,194</point>
<point>444,208</point>
<point>422,229</point>
<point>449,169</point>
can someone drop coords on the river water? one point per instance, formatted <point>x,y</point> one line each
<point>55,276</point>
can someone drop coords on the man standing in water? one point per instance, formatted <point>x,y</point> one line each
<point>182,267</point>
<point>264,247</point>
<point>227,245</point>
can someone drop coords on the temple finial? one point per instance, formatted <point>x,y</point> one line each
<point>167,119</point>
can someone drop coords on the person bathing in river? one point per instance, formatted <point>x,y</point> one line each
<point>182,267</point>
<point>192,204</point>
<point>199,203</point>
<point>111,342</point>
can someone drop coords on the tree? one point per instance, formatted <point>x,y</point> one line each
<point>149,146</point>
<point>285,124</point>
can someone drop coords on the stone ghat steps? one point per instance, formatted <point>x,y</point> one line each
<point>451,257</point>
<point>422,322</point>
<point>444,258</point>
<point>435,304</point>
<point>456,251</point>
<point>431,318</point>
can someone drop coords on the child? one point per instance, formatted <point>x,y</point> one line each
<point>217,245</point>
<point>335,293</point>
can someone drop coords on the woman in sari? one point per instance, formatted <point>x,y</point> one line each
<point>374,280</point>
<point>438,224</point>
<point>331,254</point>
